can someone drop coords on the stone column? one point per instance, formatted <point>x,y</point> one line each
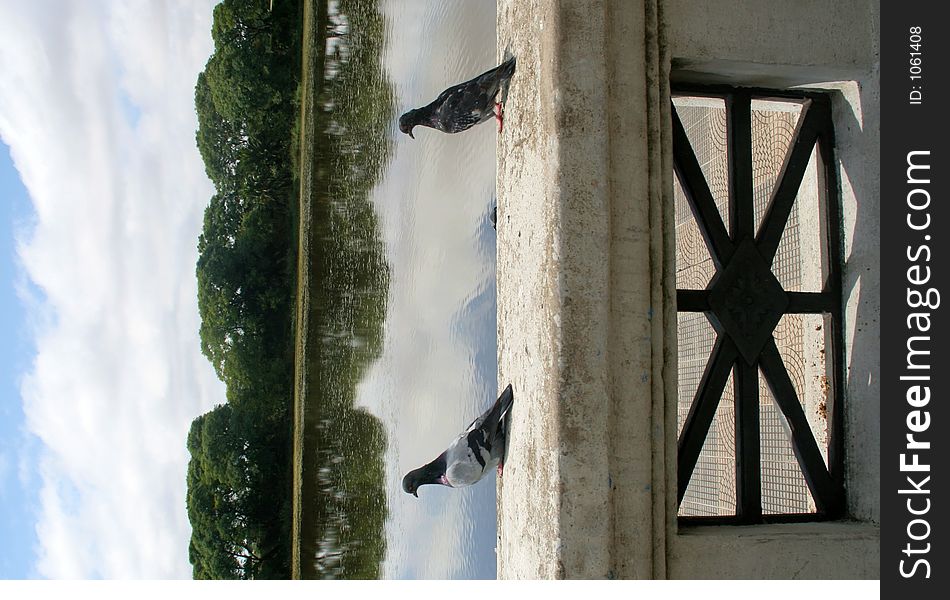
<point>585,294</point>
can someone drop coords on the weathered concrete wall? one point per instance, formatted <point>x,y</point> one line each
<point>575,323</point>
<point>793,551</point>
<point>552,240</point>
<point>857,129</point>
<point>529,331</point>
<point>771,43</point>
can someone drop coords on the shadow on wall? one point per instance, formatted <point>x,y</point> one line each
<point>856,109</point>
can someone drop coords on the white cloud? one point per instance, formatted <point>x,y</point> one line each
<point>96,104</point>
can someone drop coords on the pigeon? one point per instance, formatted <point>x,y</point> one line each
<point>466,104</point>
<point>473,454</point>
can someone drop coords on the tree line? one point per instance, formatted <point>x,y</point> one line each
<point>239,473</point>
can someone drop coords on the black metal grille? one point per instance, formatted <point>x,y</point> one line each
<point>745,301</point>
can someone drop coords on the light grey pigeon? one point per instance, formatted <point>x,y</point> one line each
<point>466,104</point>
<point>474,453</point>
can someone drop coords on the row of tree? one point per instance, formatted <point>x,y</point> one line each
<point>239,475</point>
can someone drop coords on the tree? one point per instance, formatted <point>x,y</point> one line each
<point>235,524</point>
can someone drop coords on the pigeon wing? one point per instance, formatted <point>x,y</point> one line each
<point>466,105</point>
<point>466,461</point>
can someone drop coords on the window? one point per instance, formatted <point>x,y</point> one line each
<point>759,306</point>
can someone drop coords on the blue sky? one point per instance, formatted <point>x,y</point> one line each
<point>103,193</point>
<point>17,490</point>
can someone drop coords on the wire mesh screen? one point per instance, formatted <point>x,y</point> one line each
<point>705,122</point>
<point>694,266</point>
<point>799,265</point>
<point>712,489</point>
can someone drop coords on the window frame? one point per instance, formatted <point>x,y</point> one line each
<point>732,350</point>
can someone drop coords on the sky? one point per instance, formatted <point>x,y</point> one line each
<point>103,193</point>
<point>17,492</point>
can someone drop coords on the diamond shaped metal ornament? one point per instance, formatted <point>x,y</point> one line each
<point>747,300</point>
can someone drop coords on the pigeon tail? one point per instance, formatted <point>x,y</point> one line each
<point>507,68</point>
<point>505,72</point>
<point>494,423</point>
<point>505,401</point>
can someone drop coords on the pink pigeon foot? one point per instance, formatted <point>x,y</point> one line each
<point>501,467</point>
<point>499,115</point>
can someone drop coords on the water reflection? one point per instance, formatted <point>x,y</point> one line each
<point>343,503</point>
<point>438,367</point>
<point>402,251</point>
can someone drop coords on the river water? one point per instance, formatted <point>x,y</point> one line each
<point>437,369</point>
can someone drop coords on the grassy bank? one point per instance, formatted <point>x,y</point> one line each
<point>313,58</point>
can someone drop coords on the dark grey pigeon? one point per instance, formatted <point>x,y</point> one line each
<point>475,452</point>
<point>466,104</point>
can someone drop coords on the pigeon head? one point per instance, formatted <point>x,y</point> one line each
<point>432,473</point>
<point>411,483</point>
<point>409,120</point>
